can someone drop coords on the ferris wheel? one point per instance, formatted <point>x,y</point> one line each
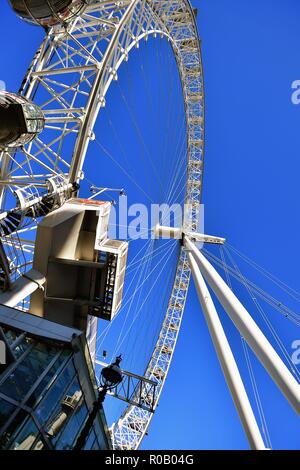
<point>48,159</point>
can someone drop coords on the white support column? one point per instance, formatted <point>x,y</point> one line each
<point>249,330</point>
<point>23,287</point>
<point>227,360</point>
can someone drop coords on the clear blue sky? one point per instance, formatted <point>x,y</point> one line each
<point>251,196</point>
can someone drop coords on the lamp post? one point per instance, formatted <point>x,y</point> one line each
<point>111,376</point>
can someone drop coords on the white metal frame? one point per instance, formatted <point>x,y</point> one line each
<point>250,331</point>
<point>226,358</point>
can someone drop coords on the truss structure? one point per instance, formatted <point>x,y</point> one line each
<point>69,78</point>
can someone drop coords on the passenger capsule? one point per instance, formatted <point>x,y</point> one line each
<point>47,12</point>
<point>20,120</point>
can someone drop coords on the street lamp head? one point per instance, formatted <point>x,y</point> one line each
<point>112,375</point>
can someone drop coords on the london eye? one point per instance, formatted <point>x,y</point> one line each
<point>78,151</point>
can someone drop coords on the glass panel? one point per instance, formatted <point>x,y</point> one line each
<point>39,444</point>
<point>90,441</point>
<point>66,441</point>
<point>9,334</point>
<point>48,379</point>
<point>96,446</point>
<point>13,428</point>
<point>31,125</point>
<point>75,422</point>
<point>6,410</point>
<point>55,394</point>
<point>100,443</point>
<point>27,436</point>
<point>70,401</point>
<point>22,347</point>
<point>21,379</point>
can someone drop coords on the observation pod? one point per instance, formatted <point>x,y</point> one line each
<point>20,120</point>
<point>47,12</point>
